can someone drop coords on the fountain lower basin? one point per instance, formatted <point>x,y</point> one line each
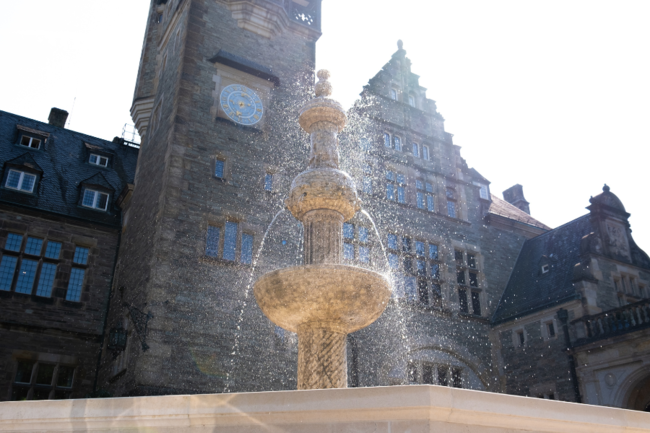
<point>336,297</point>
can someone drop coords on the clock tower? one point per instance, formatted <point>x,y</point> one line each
<point>216,103</point>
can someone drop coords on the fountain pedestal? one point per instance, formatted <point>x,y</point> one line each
<point>323,300</point>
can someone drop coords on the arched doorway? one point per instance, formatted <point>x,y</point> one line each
<point>639,398</point>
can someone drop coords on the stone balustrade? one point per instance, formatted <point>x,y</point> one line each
<point>621,320</point>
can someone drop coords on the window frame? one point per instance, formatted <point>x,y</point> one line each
<point>96,197</point>
<point>44,279</point>
<point>31,139</point>
<point>21,180</point>
<point>98,160</point>
<point>32,386</point>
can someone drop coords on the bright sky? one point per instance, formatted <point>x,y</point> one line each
<point>549,94</point>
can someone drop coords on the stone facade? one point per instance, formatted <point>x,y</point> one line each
<point>57,254</point>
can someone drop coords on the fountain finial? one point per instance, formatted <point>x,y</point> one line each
<point>323,87</point>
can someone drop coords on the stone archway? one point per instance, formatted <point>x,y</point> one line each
<point>639,396</point>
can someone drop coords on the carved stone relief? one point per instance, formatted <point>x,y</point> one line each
<point>617,239</point>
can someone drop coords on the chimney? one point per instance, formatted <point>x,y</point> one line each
<point>515,196</point>
<point>58,117</point>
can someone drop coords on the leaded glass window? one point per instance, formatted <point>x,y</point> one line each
<point>46,280</point>
<point>348,231</point>
<point>14,242</point>
<point>75,285</point>
<point>348,251</point>
<point>363,234</point>
<point>392,241</point>
<point>219,165</point>
<point>80,256</point>
<point>7,269</point>
<point>212,241</point>
<point>364,254</point>
<point>230,241</point>
<point>53,250</point>
<point>34,246</point>
<point>246,248</point>
<point>26,276</point>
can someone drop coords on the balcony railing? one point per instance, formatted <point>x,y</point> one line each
<point>619,321</point>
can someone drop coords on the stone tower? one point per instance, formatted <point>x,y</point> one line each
<point>219,86</point>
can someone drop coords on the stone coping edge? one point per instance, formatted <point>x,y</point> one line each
<point>434,404</point>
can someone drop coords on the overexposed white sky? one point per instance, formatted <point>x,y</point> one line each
<point>549,94</point>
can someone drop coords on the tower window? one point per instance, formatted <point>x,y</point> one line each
<point>348,231</point>
<point>98,160</point>
<point>398,142</point>
<point>550,329</point>
<point>456,377</point>
<point>7,269</point>
<point>430,203</point>
<point>21,181</point>
<point>31,142</point>
<point>451,209</point>
<point>212,242</point>
<point>442,376</point>
<point>476,303</point>
<point>393,94</point>
<point>416,150</point>
<point>219,166</point>
<point>411,101</point>
<point>520,338</point>
<point>246,255</point>
<point>348,251</point>
<point>268,182</point>
<point>425,153</point>
<point>462,300</point>
<point>365,145</point>
<point>392,241</point>
<point>387,139</point>
<point>48,272</point>
<point>230,241</point>
<point>367,185</point>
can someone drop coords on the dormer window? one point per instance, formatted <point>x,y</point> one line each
<point>545,269</point>
<point>27,141</point>
<point>98,160</point>
<point>95,199</point>
<point>21,181</point>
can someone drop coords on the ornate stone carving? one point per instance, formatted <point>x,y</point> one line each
<point>617,240</point>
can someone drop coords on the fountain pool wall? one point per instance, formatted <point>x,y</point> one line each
<point>397,409</point>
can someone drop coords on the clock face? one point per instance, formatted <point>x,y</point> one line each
<point>241,104</point>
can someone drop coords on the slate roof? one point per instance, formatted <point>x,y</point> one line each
<point>528,289</point>
<point>503,208</point>
<point>63,161</point>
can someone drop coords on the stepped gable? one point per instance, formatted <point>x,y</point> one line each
<point>529,289</point>
<point>63,161</point>
<point>502,208</point>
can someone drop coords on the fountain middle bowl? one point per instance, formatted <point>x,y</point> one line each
<point>341,298</point>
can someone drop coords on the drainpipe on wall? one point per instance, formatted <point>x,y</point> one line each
<point>563,315</point>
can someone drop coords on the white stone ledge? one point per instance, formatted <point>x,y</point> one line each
<point>395,409</point>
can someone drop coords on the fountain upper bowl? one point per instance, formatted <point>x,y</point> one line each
<point>340,298</point>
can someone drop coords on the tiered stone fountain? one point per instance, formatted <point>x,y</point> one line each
<point>323,300</point>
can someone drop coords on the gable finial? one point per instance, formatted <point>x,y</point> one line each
<point>400,45</point>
